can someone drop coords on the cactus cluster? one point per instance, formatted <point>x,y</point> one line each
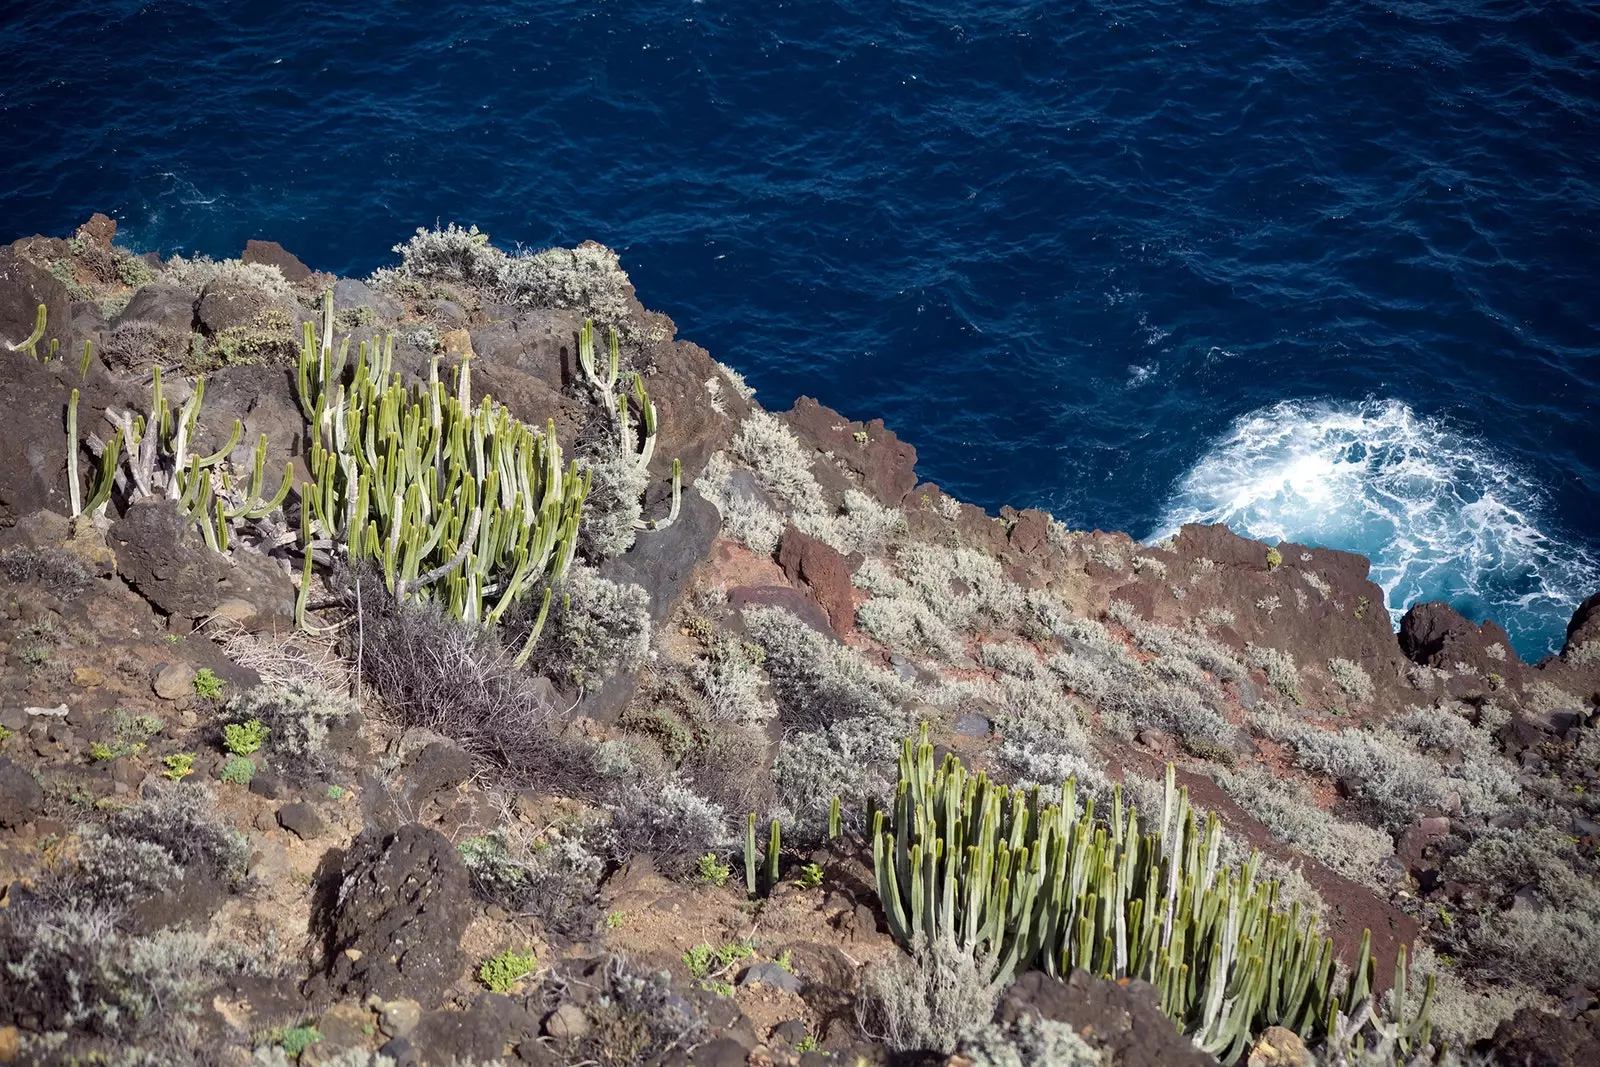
<point>149,458</point>
<point>636,446</point>
<point>450,499</point>
<point>997,872</point>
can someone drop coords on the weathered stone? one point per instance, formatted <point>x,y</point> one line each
<point>20,796</point>
<point>1279,1047</point>
<point>822,570</point>
<point>566,1023</point>
<point>174,681</point>
<point>437,769</point>
<point>772,976</point>
<point>301,819</point>
<point>100,229</point>
<point>404,902</point>
<point>1124,1017</point>
<point>274,254</point>
<point>398,1018</point>
<point>885,464</point>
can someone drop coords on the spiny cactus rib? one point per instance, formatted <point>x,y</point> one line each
<point>750,854</point>
<point>990,868</point>
<point>453,500</point>
<point>73,491</point>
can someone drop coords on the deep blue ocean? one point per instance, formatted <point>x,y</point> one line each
<point>1326,271</point>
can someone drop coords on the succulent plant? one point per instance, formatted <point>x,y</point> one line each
<point>452,500</point>
<point>992,869</point>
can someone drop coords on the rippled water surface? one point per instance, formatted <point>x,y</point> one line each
<point>1321,270</point>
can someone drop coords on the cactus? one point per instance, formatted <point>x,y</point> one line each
<point>451,500</point>
<point>772,855</point>
<point>990,868</point>
<point>30,344</point>
<point>750,854</point>
<point>638,447</point>
<point>835,819</point>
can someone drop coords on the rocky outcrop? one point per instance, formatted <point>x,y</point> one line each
<point>1124,1017</point>
<point>821,569</point>
<point>273,254</point>
<point>882,464</point>
<point>403,904</point>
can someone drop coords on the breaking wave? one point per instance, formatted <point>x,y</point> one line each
<point>1438,513</point>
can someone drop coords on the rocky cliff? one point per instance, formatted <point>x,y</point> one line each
<point>259,803</point>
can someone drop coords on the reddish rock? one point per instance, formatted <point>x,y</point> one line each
<point>824,572</point>
<point>1532,1038</point>
<point>1436,635</point>
<point>1585,624</point>
<point>272,254</point>
<point>100,229</point>
<point>884,463</point>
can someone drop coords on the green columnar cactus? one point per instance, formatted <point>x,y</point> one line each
<point>750,854</point>
<point>773,843</point>
<point>636,446</point>
<point>451,500</point>
<point>989,868</point>
<point>835,819</point>
<point>30,343</point>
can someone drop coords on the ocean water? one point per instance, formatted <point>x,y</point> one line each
<point>1327,271</point>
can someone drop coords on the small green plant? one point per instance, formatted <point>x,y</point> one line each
<point>808,1044</point>
<point>810,876</point>
<point>173,639</point>
<point>294,1039</point>
<point>336,792</point>
<point>698,959</point>
<point>207,684</point>
<point>5,735</point>
<point>129,737</point>
<point>1362,603</point>
<point>860,436</point>
<point>36,656</point>
<point>712,871</point>
<point>615,920</point>
<point>1274,559</point>
<point>785,961</point>
<point>179,765</point>
<point>1447,918</point>
<point>238,770</point>
<point>502,972</point>
<point>243,738</point>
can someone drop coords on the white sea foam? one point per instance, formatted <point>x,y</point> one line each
<point>1441,516</point>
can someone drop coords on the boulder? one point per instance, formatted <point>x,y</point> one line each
<point>1533,1038</point>
<point>100,230</point>
<point>542,344</point>
<point>20,796</point>
<point>821,569</point>
<point>23,287</point>
<point>1124,1017</point>
<point>349,294</point>
<point>403,904</point>
<point>301,819</point>
<point>1435,634</point>
<point>884,464</point>
<point>163,558</point>
<point>435,772</point>
<point>273,254</point>
<point>162,304</point>
<point>1585,625</point>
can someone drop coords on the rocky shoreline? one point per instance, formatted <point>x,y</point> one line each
<point>255,809</point>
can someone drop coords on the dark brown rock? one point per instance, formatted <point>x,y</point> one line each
<point>230,307</point>
<point>273,254</point>
<point>1532,1038</point>
<point>542,344</point>
<point>301,819</point>
<point>436,770</point>
<point>822,570</point>
<point>1436,635</point>
<point>885,465</point>
<point>163,558</point>
<point>1585,624</point>
<point>20,796</point>
<point>23,287</point>
<point>1123,1016</point>
<point>403,904</point>
<point>162,304</point>
<point>100,229</point>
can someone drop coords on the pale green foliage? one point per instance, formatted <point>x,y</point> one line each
<point>612,506</point>
<point>1281,806</point>
<point>1030,1041</point>
<point>1175,647</point>
<point>927,1001</point>
<point>861,524</point>
<point>1280,668</point>
<point>588,278</point>
<point>1463,1015</point>
<point>780,463</point>
<point>1351,678</point>
<point>1551,940</point>
<point>453,254</point>
<point>603,630</point>
<point>203,272</point>
<point>1011,657</point>
<point>1390,772</point>
<point>745,517</point>
<point>548,874</point>
<point>118,870</point>
<point>297,715</point>
<point>908,625</point>
<point>732,684</point>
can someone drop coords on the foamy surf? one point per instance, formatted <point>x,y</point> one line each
<point>1438,513</point>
